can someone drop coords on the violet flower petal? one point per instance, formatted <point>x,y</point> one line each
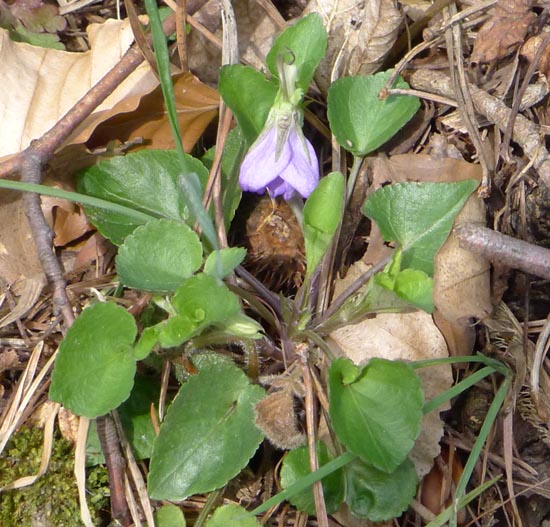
<point>280,187</point>
<point>301,173</point>
<point>259,167</point>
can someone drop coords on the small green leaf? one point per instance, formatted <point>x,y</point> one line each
<point>232,515</point>
<point>242,326</point>
<point>208,435</point>
<point>359,119</point>
<point>322,215</point>
<point>204,301</point>
<point>159,256</point>
<point>175,331</point>
<point>223,262</point>
<point>379,496</point>
<point>296,466</point>
<point>169,516</point>
<point>413,286</point>
<point>249,95</point>
<point>147,341</point>
<point>418,216</point>
<point>146,181</point>
<point>377,415</point>
<point>135,415</point>
<point>94,371</point>
<point>307,42</point>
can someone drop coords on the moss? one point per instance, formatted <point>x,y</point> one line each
<point>52,501</point>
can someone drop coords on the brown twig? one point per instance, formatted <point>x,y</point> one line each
<point>318,496</point>
<point>508,251</point>
<point>108,438</point>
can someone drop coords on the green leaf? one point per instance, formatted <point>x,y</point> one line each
<point>94,454</point>
<point>418,216</point>
<point>376,411</point>
<point>413,286</point>
<point>416,287</point>
<point>146,181</point>
<point>44,40</point>
<point>169,516</point>
<point>159,256</point>
<point>359,119</point>
<point>296,466</point>
<point>208,435</point>
<point>175,331</point>
<point>232,515</point>
<point>379,496</point>
<point>135,415</point>
<point>223,262</point>
<point>94,371</point>
<point>307,41</point>
<point>322,215</point>
<point>249,95</point>
<point>242,326</point>
<point>201,301</point>
<point>204,300</point>
<point>147,341</point>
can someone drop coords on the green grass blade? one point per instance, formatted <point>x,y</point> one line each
<point>77,198</point>
<point>306,482</point>
<point>191,194</point>
<point>445,516</point>
<point>480,441</point>
<point>457,389</point>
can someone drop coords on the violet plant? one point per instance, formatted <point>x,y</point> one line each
<point>209,433</point>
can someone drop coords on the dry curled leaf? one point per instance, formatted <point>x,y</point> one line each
<point>276,418</point>
<point>196,104</point>
<point>361,33</point>
<point>462,278</point>
<point>531,48</point>
<point>20,268</point>
<point>505,30</point>
<point>40,85</point>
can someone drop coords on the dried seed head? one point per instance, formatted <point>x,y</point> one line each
<point>276,418</point>
<point>275,244</point>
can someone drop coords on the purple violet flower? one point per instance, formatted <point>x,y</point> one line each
<point>281,161</point>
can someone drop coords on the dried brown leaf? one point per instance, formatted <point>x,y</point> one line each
<point>530,49</point>
<point>39,85</point>
<point>8,360</point>
<point>20,267</point>
<point>362,33</point>
<point>462,286</point>
<point>196,103</point>
<point>505,30</point>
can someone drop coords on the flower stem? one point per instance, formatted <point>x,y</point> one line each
<point>353,176</point>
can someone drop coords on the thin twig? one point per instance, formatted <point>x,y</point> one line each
<point>506,250</point>
<point>108,437</point>
<point>319,498</point>
<point>357,284</point>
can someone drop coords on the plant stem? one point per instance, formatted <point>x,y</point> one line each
<point>353,177</point>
